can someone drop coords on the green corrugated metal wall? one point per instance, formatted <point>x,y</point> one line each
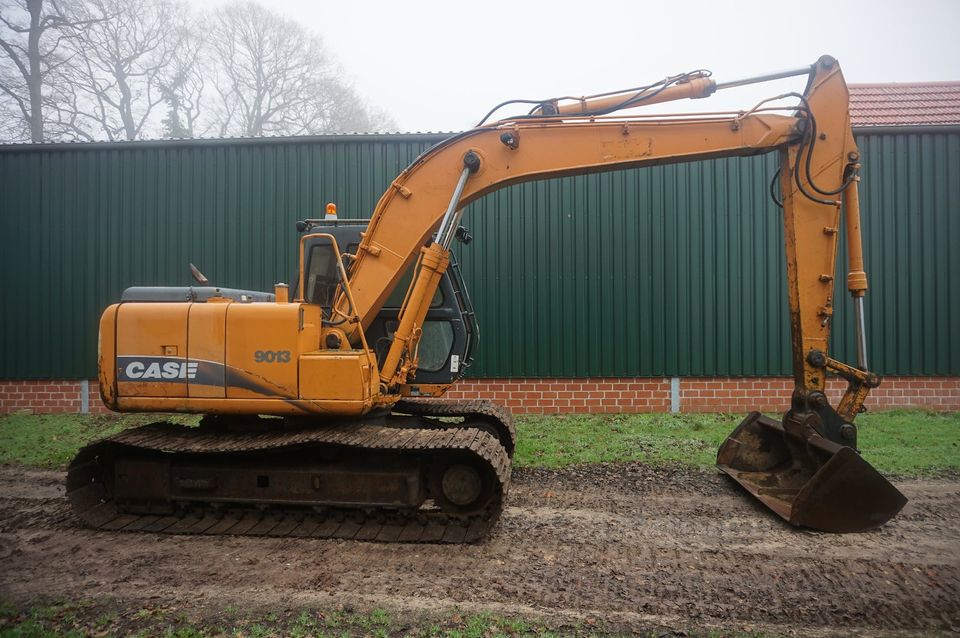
<point>673,270</point>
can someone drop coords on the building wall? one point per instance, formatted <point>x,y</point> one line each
<point>651,273</point>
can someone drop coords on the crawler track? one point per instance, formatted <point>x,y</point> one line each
<point>487,415</point>
<point>186,476</point>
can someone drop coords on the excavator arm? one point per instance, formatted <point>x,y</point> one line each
<point>806,467</point>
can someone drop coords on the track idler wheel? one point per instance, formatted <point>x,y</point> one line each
<point>460,487</point>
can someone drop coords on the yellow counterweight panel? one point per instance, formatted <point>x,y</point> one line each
<point>206,346</point>
<point>263,347</point>
<point>151,341</point>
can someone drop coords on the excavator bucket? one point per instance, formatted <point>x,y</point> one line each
<point>811,482</point>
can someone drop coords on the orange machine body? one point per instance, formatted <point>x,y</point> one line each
<point>229,357</point>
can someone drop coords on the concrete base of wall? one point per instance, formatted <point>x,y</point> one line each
<point>560,396</point>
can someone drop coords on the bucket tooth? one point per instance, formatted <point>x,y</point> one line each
<point>813,483</point>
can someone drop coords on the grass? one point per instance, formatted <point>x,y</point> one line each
<point>658,439</point>
<point>40,621</point>
<point>105,617</point>
<point>51,440</point>
<point>905,442</point>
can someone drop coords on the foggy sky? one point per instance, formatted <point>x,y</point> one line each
<point>439,66</point>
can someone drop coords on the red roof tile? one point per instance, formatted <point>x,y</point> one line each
<point>905,104</point>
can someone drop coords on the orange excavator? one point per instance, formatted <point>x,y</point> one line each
<point>321,405</point>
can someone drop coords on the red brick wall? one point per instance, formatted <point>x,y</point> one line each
<point>47,397</point>
<point>96,403</point>
<point>710,394</point>
<point>559,396</point>
<point>719,394</point>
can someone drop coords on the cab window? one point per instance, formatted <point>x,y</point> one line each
<point>321,281</point>
<point>435,345</point>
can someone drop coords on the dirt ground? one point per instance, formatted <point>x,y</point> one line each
<point>628,546</point>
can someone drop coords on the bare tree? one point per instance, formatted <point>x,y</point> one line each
<point>128,69</point>
<point>346,111</point>
<point>14,123</point>
<point>274,77</point>
<point>113,81</point>
<point>32,33</point>
<point>182,84</point>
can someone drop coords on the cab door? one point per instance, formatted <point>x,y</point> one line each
<point>449,330</point>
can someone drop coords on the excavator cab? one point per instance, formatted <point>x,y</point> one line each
<point>450,330</point>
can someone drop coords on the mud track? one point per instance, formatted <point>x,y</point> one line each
<point>627,546</point>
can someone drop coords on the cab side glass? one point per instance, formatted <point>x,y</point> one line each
<point>321,280</point>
